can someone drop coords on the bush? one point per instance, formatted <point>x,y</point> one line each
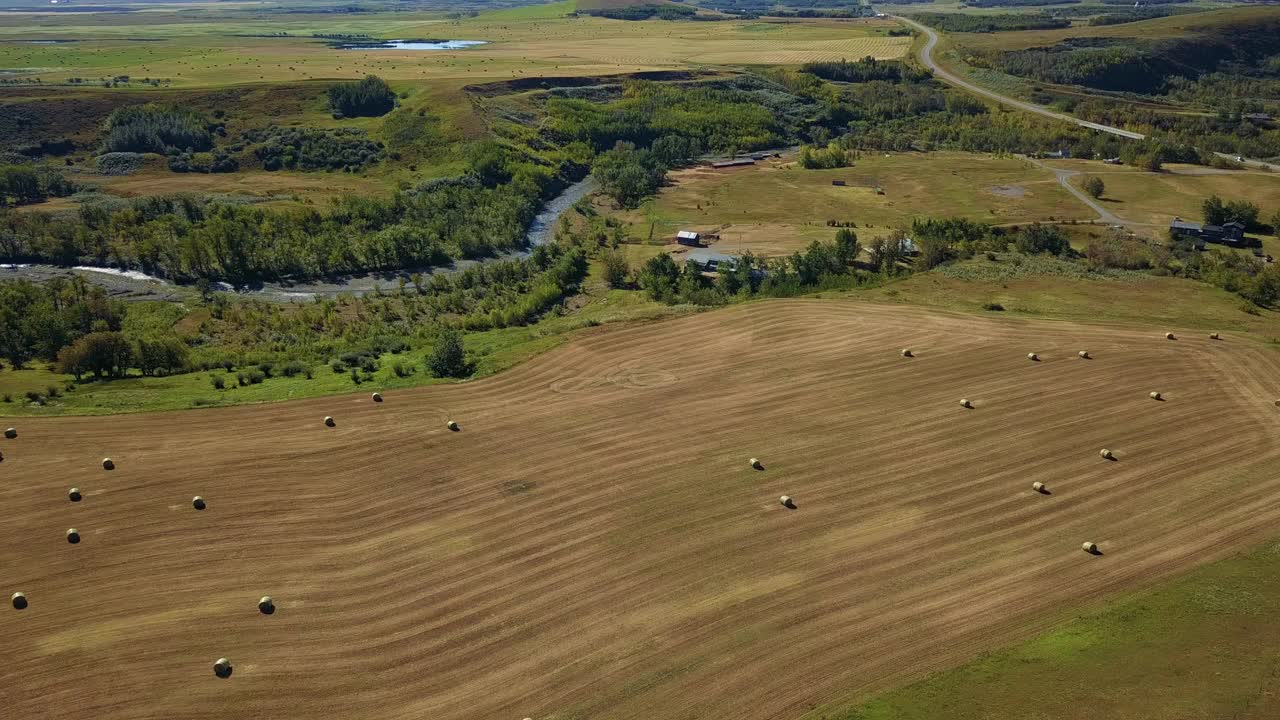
<point>218,382</point>
<point>292,368</point>
<point>617,271</point>
<point>256,377</point>
<point>993,307</point>
<point>1094,186</point>
<point>447,358</point>
<point>118,163</point>
<point>155,128</point>
<point>370,97</point>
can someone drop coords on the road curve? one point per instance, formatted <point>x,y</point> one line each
<point>926,56</point>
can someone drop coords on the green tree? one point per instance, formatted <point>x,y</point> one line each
<point>1094,186</point>
<point>1037,238</point>
<point>617,271</point>
<point>447,357</point>
<point>847,247</point>
<point>1213,210</point>
<point>105,354</point>
<point>659,276</point>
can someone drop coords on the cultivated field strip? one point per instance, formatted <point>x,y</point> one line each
<point>592,543</point>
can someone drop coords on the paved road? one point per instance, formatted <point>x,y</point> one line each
<point>926,56</point>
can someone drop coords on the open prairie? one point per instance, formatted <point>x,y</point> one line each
<point>592,542</point>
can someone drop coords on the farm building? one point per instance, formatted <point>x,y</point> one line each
<point>735,162</point>
<point>1231,233</point>
<point>689,237</point>
<point>708,261</point>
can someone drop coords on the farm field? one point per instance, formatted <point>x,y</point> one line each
<point>233,51</point>
<point>774,208</point>
<point>592,543</point>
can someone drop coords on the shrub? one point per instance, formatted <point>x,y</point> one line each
<point>52,391</point>
<point>292,368</point>
<point>617,271</point>
<point>369,97</point>
<point>993,307</point>
<point>155,128</point>
<point>242,379</point>
<point>355,375</point>
<point>266,368</point>
<point>8,398</point>
<point>256,377</point>
<point>218,382</point>
<point>447,357</point>
<point>337,367</point>
<point>118,163</point>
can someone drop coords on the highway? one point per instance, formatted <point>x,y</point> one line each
<point>926,56</point>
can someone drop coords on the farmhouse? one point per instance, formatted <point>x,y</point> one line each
<point>689,237</point>
<point>1231,233</point>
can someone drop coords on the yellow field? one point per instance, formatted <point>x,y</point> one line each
<point>214,54</point>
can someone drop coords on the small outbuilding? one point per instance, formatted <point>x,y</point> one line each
<point>689,238</point>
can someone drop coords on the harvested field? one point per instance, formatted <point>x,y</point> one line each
<point>639,572</point>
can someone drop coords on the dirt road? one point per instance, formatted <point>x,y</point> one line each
<point>592,542</point>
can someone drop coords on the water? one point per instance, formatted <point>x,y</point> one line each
<point>541,231</point>
<point>412,45</point>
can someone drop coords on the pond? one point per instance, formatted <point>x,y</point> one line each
<point>410,45</point>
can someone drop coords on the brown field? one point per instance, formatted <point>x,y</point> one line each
<point>592,544</point>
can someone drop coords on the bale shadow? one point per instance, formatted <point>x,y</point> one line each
<point>1113,458</point>
<point>791,505</point>
<point>1044,491</point>
<point>1096,552</point>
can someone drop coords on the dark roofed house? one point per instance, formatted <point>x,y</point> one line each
<point>1231,233</point>
<point>708,261</point>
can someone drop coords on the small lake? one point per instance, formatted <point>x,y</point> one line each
<point>411,45</point>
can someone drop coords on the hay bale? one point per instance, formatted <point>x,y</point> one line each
<point>1038,487</point>
<point>1084,355</point>
<point>964,403</point>
<point>1033,357</point>
<point>74,495</point>
<point>107,464</point>
<point>452,426</point>
<point>906,352</point>
<point>755,463</point>
<point>1155,395</point>
<point>1089,547</point>
<point>1214,336</point>
<point>197,502</point>
<point>11,433</point>
<point>222,668</point>
<point>328,421</point>
<point>1107,454</point>
<point>787,501</point>
<point>19,601</point>
<point>73,536</point>
<point>1169,336</point>
<point>266,605</point>
<point>377,397</point>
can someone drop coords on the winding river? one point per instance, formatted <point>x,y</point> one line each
<point>132,284</point>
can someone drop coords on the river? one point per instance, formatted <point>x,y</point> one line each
<point>135,285</point>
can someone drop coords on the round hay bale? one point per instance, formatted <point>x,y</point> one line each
<point>452,425</point>
<point>197,502</point>
<point>266,605</point>
<point>755,463</point>
<point>377,397</point>
<point>73,536</point>
<point>1084,354</point>
<point>906,352</point>
<point>1169,336</point>
<point>11,433</point>
<point>787,501</point>
<point>1089,547</point>
<point>1107,454</point>
<point>1033,357</point>
<point>1277,403</point>
<point>1214,336</point>
<point>74,495</point>
<point>19,601</point>
<point>1155,395</point>
<point>1038,487</point>
<point>328,421</point>
<point>108,464</point>
<point>964,403</point>
<point>222,668</point>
